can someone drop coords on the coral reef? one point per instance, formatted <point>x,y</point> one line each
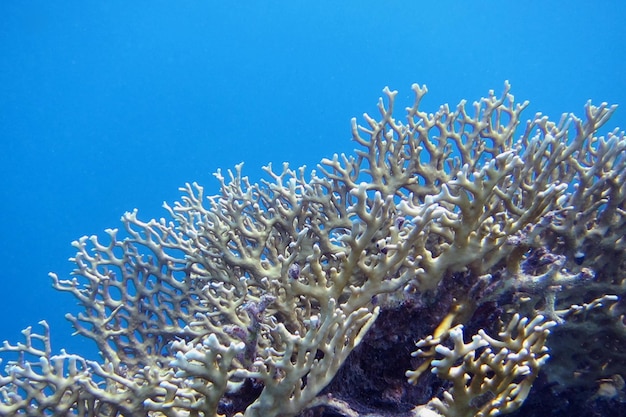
<point>432,273</point>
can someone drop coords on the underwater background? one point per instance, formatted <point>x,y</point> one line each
<point>110,106</point>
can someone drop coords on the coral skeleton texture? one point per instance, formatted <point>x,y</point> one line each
<point>258,300</point>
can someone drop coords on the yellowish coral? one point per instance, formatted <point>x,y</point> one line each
<point>489,376</point>
<point>248,302</point>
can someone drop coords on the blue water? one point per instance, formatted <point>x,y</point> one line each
<point>109,107</point>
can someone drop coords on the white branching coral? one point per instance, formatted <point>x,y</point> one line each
<point>247,302</point>
<point>40,383</point>
<point>489,376</point>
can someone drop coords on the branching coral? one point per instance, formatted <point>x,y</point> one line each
<point>247,303</point>
<point>489,376</point>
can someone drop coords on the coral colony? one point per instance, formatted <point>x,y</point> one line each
<point>452,262</point>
